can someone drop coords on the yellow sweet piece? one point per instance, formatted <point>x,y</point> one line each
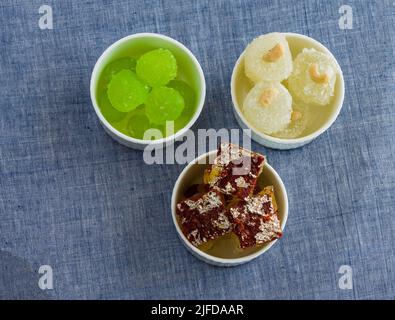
<point>296,115</point>
<point>226,246</point>
<point>269,191</point>
<point>205,246</point>
<point>211,174</point>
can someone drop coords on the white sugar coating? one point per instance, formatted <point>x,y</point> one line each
<point>241,183</point>
<point>301,83</point>
<point>207,202</point>
<point>231,153</point>
<point>268,230</point>
<point>296,127</point>
<point>255,205</point>
<point>257,68</point>
<point>272,117</point>
<point>222,222</point>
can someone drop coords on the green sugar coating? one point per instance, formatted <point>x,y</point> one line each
<point>189,98</point>
<point>109,112</point>
<point>137,125</point>
<point>182,121</point>
<point>186,91</point>
<point>164,104</point>
<point>157,67</point>
<point>125,91</point>
<point>114,67</point>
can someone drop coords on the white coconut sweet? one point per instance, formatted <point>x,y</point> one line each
<point>300,117</point>
<point>268,107</point>
<point>268,58</point>
<point>313,77</point>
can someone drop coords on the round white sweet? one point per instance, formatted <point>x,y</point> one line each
<point>268,107</point>
<point>298,124</point>
<point>268,58</point>
<point>313,77</point>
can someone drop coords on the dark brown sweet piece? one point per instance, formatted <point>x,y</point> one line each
<point>203,217</point>
<point>255,219</point>
<point>235,171</point>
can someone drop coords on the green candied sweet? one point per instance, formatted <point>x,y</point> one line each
<point>164,104</point>
<point>126,92</point>
<point>189,97</point>
<point>157,67</point>
<point>108,111</point>
<point>114,67</point>
<point>182,121</point>
<point>159,128</point>
<point>138,124</point>
<point>186,91</point>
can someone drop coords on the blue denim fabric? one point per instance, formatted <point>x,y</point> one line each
<point>74,199</point>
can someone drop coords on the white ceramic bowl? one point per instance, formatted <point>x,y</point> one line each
<point>240,85</point>
<point>142,42</point>
<point>193,173</point>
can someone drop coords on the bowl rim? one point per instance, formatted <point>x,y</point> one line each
<point>310,136</point>
<point>206,256</point>
<point>95,74</point>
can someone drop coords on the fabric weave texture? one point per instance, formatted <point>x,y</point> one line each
<point>74,199</point>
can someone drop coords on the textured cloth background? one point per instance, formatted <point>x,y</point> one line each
<point>73,198</point>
